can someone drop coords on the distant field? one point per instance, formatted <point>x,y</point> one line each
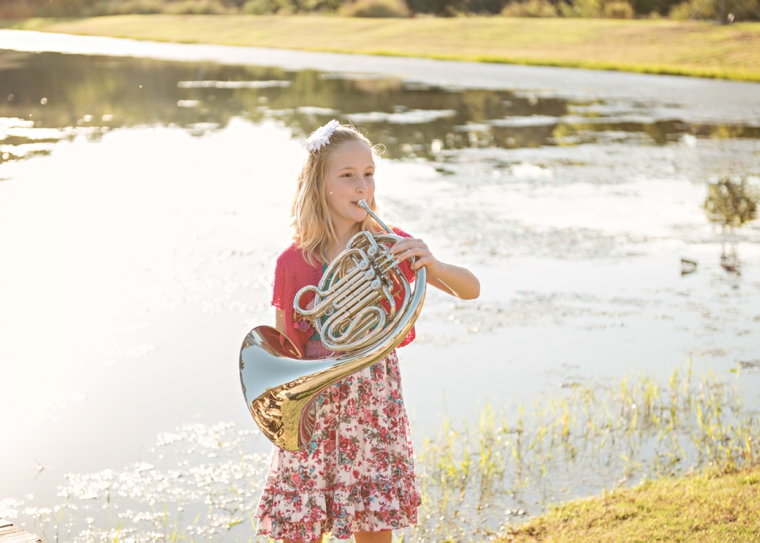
<point>650,46</point>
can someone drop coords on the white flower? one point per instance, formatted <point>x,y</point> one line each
<point>320,137</point>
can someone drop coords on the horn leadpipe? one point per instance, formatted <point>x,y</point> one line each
<point>363,204</point>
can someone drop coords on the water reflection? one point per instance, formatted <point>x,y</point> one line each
<point>73,95</point>
<point>731,204</point>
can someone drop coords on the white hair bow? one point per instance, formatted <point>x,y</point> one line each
<point>321,136</point>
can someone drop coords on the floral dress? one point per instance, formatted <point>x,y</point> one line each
<point>357,472</point>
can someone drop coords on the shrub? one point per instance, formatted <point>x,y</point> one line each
<point>140,6</point>
<point>195,7</point>
<point>442,8</point>
<point>491,7</point>
<point>15,10</point>
<point>117,7</point>
<point>618,9</point>
<point>310,6</point>
<point>738,10</point>
<point>531,8</point>
<point>581,8</point>
<point>375,8</point>
<point>681,12</point>
<point>18,9</point>
<point>262,7</point>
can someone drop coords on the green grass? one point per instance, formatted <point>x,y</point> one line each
<point>698,508</point>
<point>691,48</point>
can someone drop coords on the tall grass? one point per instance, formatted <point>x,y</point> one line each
<point>519,459</point>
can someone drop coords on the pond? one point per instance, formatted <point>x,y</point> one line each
<point>142,201</point>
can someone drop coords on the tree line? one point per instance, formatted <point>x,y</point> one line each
<point>723,11</point>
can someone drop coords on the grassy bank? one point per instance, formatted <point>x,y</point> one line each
<point>697,508</point>
<point>648,46</point>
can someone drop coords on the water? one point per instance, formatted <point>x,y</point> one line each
<point>142,201</point>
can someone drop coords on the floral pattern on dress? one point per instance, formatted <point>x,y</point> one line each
<point>357,472</point>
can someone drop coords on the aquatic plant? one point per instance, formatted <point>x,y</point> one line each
<point>519,459</point>
<point>731,203</point>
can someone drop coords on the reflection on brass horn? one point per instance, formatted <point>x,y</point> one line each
<point>356,316</point>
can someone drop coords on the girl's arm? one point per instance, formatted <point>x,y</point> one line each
<point>454,280</point>
<point>279,320</point>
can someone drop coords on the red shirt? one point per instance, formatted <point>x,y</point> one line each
<point>292,273</point>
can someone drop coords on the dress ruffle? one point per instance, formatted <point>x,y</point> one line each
<point>357,472</point>
<point>368,507</point>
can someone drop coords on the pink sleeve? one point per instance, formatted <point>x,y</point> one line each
<point>406,269</point>
<point>279,284</point>
<point>291,274</point>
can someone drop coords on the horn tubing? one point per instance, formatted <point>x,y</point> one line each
<point>363,204</point>
<point>355,309</point>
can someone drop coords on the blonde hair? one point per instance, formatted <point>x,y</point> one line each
<point>312,226</point>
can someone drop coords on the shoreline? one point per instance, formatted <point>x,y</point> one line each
<point>694,49</point>
<point>710,505</point>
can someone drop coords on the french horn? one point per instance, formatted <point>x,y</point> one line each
<point>355,314</point>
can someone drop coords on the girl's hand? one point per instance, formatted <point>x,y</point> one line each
<point>454,280</point>
<point>409,247</point>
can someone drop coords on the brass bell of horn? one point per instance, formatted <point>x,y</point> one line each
<point>356,316</point>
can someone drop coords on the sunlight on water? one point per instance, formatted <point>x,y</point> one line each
<point>210,485</point>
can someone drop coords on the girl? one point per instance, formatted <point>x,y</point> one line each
<point>356,475</point>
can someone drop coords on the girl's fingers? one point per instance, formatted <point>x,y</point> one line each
<point>418,252</point>
<point>402,245</point>
<point>401,248</point>
<point>409,247</point>
<point>420,262</point>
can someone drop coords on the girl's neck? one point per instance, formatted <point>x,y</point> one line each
<point>344,233</point>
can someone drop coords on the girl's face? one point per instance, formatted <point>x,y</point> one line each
<point>350,178</point>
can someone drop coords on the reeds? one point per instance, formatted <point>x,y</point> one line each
<point>519,459</point>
